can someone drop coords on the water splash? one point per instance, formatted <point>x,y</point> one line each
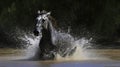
<point>33,47</point>
<point>81,53</point>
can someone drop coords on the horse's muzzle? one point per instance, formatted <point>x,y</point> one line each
<point>36,33</point>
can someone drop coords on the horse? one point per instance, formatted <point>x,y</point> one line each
<point>51,42</point>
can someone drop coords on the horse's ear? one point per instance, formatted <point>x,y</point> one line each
<point>48,13</point>
<point>38,12</point>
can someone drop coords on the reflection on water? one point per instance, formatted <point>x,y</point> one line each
<point>92,54</point>
<point>59,64</point>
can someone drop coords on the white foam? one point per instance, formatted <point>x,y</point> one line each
<point>81,52</point>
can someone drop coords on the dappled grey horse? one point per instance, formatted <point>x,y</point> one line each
<point>52,41</point>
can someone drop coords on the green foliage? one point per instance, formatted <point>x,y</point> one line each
<point>97,16</point>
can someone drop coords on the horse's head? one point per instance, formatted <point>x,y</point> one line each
<point>42,22</point>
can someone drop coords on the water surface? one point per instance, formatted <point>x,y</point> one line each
<point>11,58</point>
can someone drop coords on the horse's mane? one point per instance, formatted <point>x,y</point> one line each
<point>53,21</point>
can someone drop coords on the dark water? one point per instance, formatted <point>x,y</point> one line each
<point>59,64</point>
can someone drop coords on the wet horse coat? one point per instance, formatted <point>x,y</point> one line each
<point>52,42</point>
<point>46,46</point>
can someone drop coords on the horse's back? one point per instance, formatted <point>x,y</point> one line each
<point>65,44</point>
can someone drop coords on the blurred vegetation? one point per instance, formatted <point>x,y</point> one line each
<point>101,17</point>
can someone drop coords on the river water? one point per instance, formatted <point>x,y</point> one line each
<point>82,57</point>
<point>107,58</point>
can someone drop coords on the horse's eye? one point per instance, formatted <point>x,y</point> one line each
<point>44,17</point>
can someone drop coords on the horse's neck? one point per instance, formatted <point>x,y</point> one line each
<point>50,27</point>
<point>49,31</point>
<point>46,33</point>
<point>52,32</point>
